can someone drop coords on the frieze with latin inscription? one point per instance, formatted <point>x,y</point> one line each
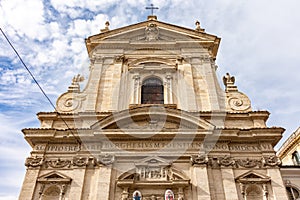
<point>152,145</point>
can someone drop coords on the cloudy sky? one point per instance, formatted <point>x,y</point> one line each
<point>260,46</point>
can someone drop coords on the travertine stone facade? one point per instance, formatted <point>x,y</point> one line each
<point>153,122</point>
<point>289,153</point>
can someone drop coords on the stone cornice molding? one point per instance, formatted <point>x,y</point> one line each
<point>209,41</point>
<point>289,144</point>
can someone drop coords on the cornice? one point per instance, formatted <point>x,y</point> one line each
<point>214,41</point>
<point>292,141</point>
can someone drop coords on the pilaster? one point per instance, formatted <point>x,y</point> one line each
<point>103,182</point>
<point>200,179</point>
<point>93,84</point>
<point>185,92</point>
<point>229,184</point>
<point>115,86</point>
<point>77,184</point>
<point>29,184</point>
<point>279,191</point>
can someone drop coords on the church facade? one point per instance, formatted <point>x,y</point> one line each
<point>153,123</point>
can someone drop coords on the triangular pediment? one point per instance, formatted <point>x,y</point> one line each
<point>252,176</point>
<point>149,118</point>
<point>54,176</point>
<point>163,32</point>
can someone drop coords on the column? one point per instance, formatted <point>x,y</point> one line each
<point>277,184</point>
<point>229,184</point>
<point>168,93</point>
<point>200,180</point>
<point>136,89</point>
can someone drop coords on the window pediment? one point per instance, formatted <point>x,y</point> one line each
<point>251,177</point>
<point>54,177</point>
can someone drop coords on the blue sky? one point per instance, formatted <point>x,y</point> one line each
<point>260,46</point>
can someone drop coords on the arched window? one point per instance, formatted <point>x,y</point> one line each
<point>293,193</point>
<point>254,192</point>
<point>52,193</point>
<point>152,91</point>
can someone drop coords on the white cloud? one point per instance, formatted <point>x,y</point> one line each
<point>26,18</point>
<point>9,197</point>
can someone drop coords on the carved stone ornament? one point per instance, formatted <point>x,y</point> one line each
<point>228,80</point>
<point>105,159</point>
<point>34,161</point>
<point>239,102</point>
<point>226,161</point>
<point>72,99</point>
<point>69,102</point>
<point>271,161</point>
<point>199,159</point>
<point>235,100</point>
<point>58,163</point>
<point>119,59</point>
<point>80,161</point>
<point>247,163</point>
<point>151,32</point>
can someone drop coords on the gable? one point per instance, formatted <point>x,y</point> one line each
<point>153,32</point>
<point>140,35</point>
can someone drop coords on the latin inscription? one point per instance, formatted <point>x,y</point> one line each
<point>152,145</point>
<point>57,148</point>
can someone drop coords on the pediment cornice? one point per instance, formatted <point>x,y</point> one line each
<point>153,117</point>
<point>169,32</point>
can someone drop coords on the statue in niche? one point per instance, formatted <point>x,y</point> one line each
<point>169,195</point>
<point>137,195</point>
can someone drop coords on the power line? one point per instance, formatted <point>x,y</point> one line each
<point>36,82</point>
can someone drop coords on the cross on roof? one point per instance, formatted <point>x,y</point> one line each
<point>152,8</point>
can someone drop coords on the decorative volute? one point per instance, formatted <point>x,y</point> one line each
<point>235,100</point>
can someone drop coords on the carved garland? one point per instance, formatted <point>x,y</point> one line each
<point>201,159</point>
<point>227,161</point>
<point>77,161</point>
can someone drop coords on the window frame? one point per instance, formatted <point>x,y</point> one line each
<point>149,87</point>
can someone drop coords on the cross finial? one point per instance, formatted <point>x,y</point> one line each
<point>152,8</point>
